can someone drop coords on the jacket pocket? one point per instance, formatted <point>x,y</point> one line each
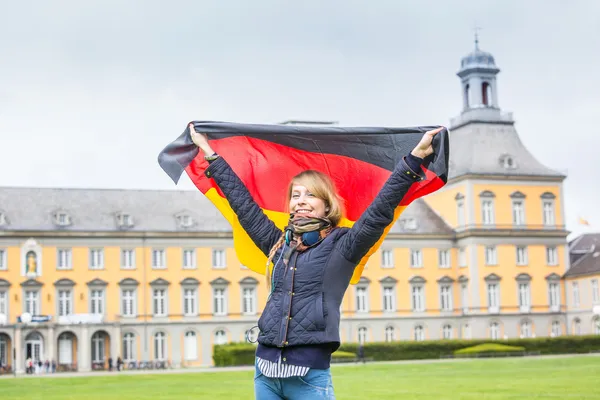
<point>319,313</point>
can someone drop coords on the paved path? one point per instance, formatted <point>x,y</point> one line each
<point>250,368</point>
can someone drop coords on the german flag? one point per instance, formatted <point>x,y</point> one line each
<point>266,157</point>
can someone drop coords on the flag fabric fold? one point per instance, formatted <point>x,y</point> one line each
<point>266,157</point>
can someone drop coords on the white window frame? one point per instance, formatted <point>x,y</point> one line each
<point>576,294</point>
<point>219,259</point>
<point>522,255</point>
<point>97,302</point>
<point>417,297</point>
<point>487,211</point>
<point>416,258</point>
<point>219,301</point>
<point>363,334</point>
<point>96,261</point>
<point>493,297</point>
<point>190,346</point>
<point>464,297</point>
<point>64,259</point>
<point>552,255</point>
<point>595,292</point>
<point>64,302</point>
<point>462,257</point>
<point>446,298</point>
<point>518,212</point>
<point>556,329</point>
<point>31,301</point>
<point>554,296</point>
<point>159,259</point>
<point>390,333</point>
<point>524,296</point>
<point>249,299</point>
<point>447,331</point>
<point>389,298</point>
<point>491,255</point>
<point>460,212</point>
<point>4,303</point>
<point>362,299</point>
<point>129,347</point>
<point>128,259</point>
<point>190,301</point>
<point>419,333</point>
<point>526,329</point>
<point>131,298</point>
<point>221,337</point>
<point>548,212</point>
<point>444,258</point>
<point>3,260</point>
<point>494,331</point>
<point>189,259</point>
<point>160,346</point>
<point>387,258</point>
<point>160,297</point>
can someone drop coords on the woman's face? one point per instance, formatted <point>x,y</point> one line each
<point>303,202</point>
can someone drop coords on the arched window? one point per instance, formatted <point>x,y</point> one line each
<point>362,334</point>
<point>129,347</point>
<point>419,333</point>
<point>486,94</point>
<point>447,332</point>
<point>160,346</point>
<point>190,346</point>
<point>389,334</point>
<point>220,337</point>
<point>467,102</point>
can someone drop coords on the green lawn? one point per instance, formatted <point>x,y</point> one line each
<point>515,378</point>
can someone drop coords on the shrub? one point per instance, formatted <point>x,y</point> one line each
<point>489,348</point>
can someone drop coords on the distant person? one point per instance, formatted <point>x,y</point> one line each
<point>312,260</point>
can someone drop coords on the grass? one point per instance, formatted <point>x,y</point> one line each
<point>513,378</point>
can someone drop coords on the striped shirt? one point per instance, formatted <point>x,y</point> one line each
<point>272,369</point>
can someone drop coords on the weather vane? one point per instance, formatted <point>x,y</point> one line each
<point>476,29</point>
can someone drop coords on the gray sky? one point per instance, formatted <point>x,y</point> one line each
<point>91,91</point>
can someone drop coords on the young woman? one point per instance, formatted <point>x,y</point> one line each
<point>310,264</point>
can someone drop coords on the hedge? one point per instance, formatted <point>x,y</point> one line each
<point>244,353</point>
<point>489,348</point>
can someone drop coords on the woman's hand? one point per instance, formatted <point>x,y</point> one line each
<point>201,141</point>
<point>425,148</point>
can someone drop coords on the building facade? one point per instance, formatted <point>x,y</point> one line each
<point>87,275</point>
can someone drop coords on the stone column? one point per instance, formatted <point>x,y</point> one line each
<point>116,343</point>
<point>51,354</point>
<point>84,350</point>
<point>19,360</point>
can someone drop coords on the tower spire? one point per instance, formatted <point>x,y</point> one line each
<point>477,29</point>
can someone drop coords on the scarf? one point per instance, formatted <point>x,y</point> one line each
<point>300,224</point>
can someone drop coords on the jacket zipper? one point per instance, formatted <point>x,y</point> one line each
<point>287,320</point>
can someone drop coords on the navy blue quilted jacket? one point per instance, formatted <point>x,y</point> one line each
<point>304,307</point>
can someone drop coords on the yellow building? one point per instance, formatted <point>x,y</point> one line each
<point>87,274</point>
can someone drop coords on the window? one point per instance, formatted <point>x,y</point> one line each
<point>362,334</point>
<point>158,259</point>
<point>3,219</point>
<point>518,212</point>
<point>190,301</point>
<point>447,332</point>
<point>219,303</point>
<point>487,209</point>
<point>3,263</point>
<point>493,297</point>
<point>462,257</point>
<point>124,220</point>
<point>64,259</point>
<point>127,259</point>
<point>32,302</point>
<point>418,298</point>
<point>577,326</point>
<point>65,306</point>
<point>460,212</point>
<point>160,346</point>
<point>524,297</point>
<point>128,347</point>
<point>159,301</point>
<point>97,301</point>
<point>446,298</point>
<point>3,303</point>
<point>466,331</point>
<point>551,255</point>
<point>98,342</point>
<point>362,299</point>
<point>185,221</point>
<point>419,333</point>
<point>61,218</point>
<point>494,331</point>
<point>548,212</point>
<point>416,259</point>
<point>595,294</point>
<point>491,257</point>
<point>249,300</point>
<point>556,329</point>
<point>220,337</point>
<point>596,326</point>
<point>390,335</point>
<point>96,259</point>
<point>486,94</point>
<point>387,259</point>
<point>522,257</point>
<point>389,299</point>
<point>464,297</point>
<point>576,294</point>
<point>190,346</point>
<point>128,299</point>
<point>444,258</point>
<point>189,259</point>
<point>218,259</point>
<point>554,296</point>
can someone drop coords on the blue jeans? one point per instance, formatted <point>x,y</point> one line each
<point>316,384</point>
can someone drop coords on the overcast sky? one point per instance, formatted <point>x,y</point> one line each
<point>91,91</point>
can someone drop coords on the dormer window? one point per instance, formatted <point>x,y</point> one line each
<point>62,218</point>
<point>409,224</point>
<point>3,219</point>
<point>185,220</point>
<point>124,220</point>
<point>508,162</point>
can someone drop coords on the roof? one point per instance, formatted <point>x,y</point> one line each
<point>584,253</point>
<point>483,148</point>
<point>96,210</point>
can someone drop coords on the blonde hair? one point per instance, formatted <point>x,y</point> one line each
<point>322,187</point>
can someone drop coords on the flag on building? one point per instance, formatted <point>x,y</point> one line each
<point>266,157</point>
